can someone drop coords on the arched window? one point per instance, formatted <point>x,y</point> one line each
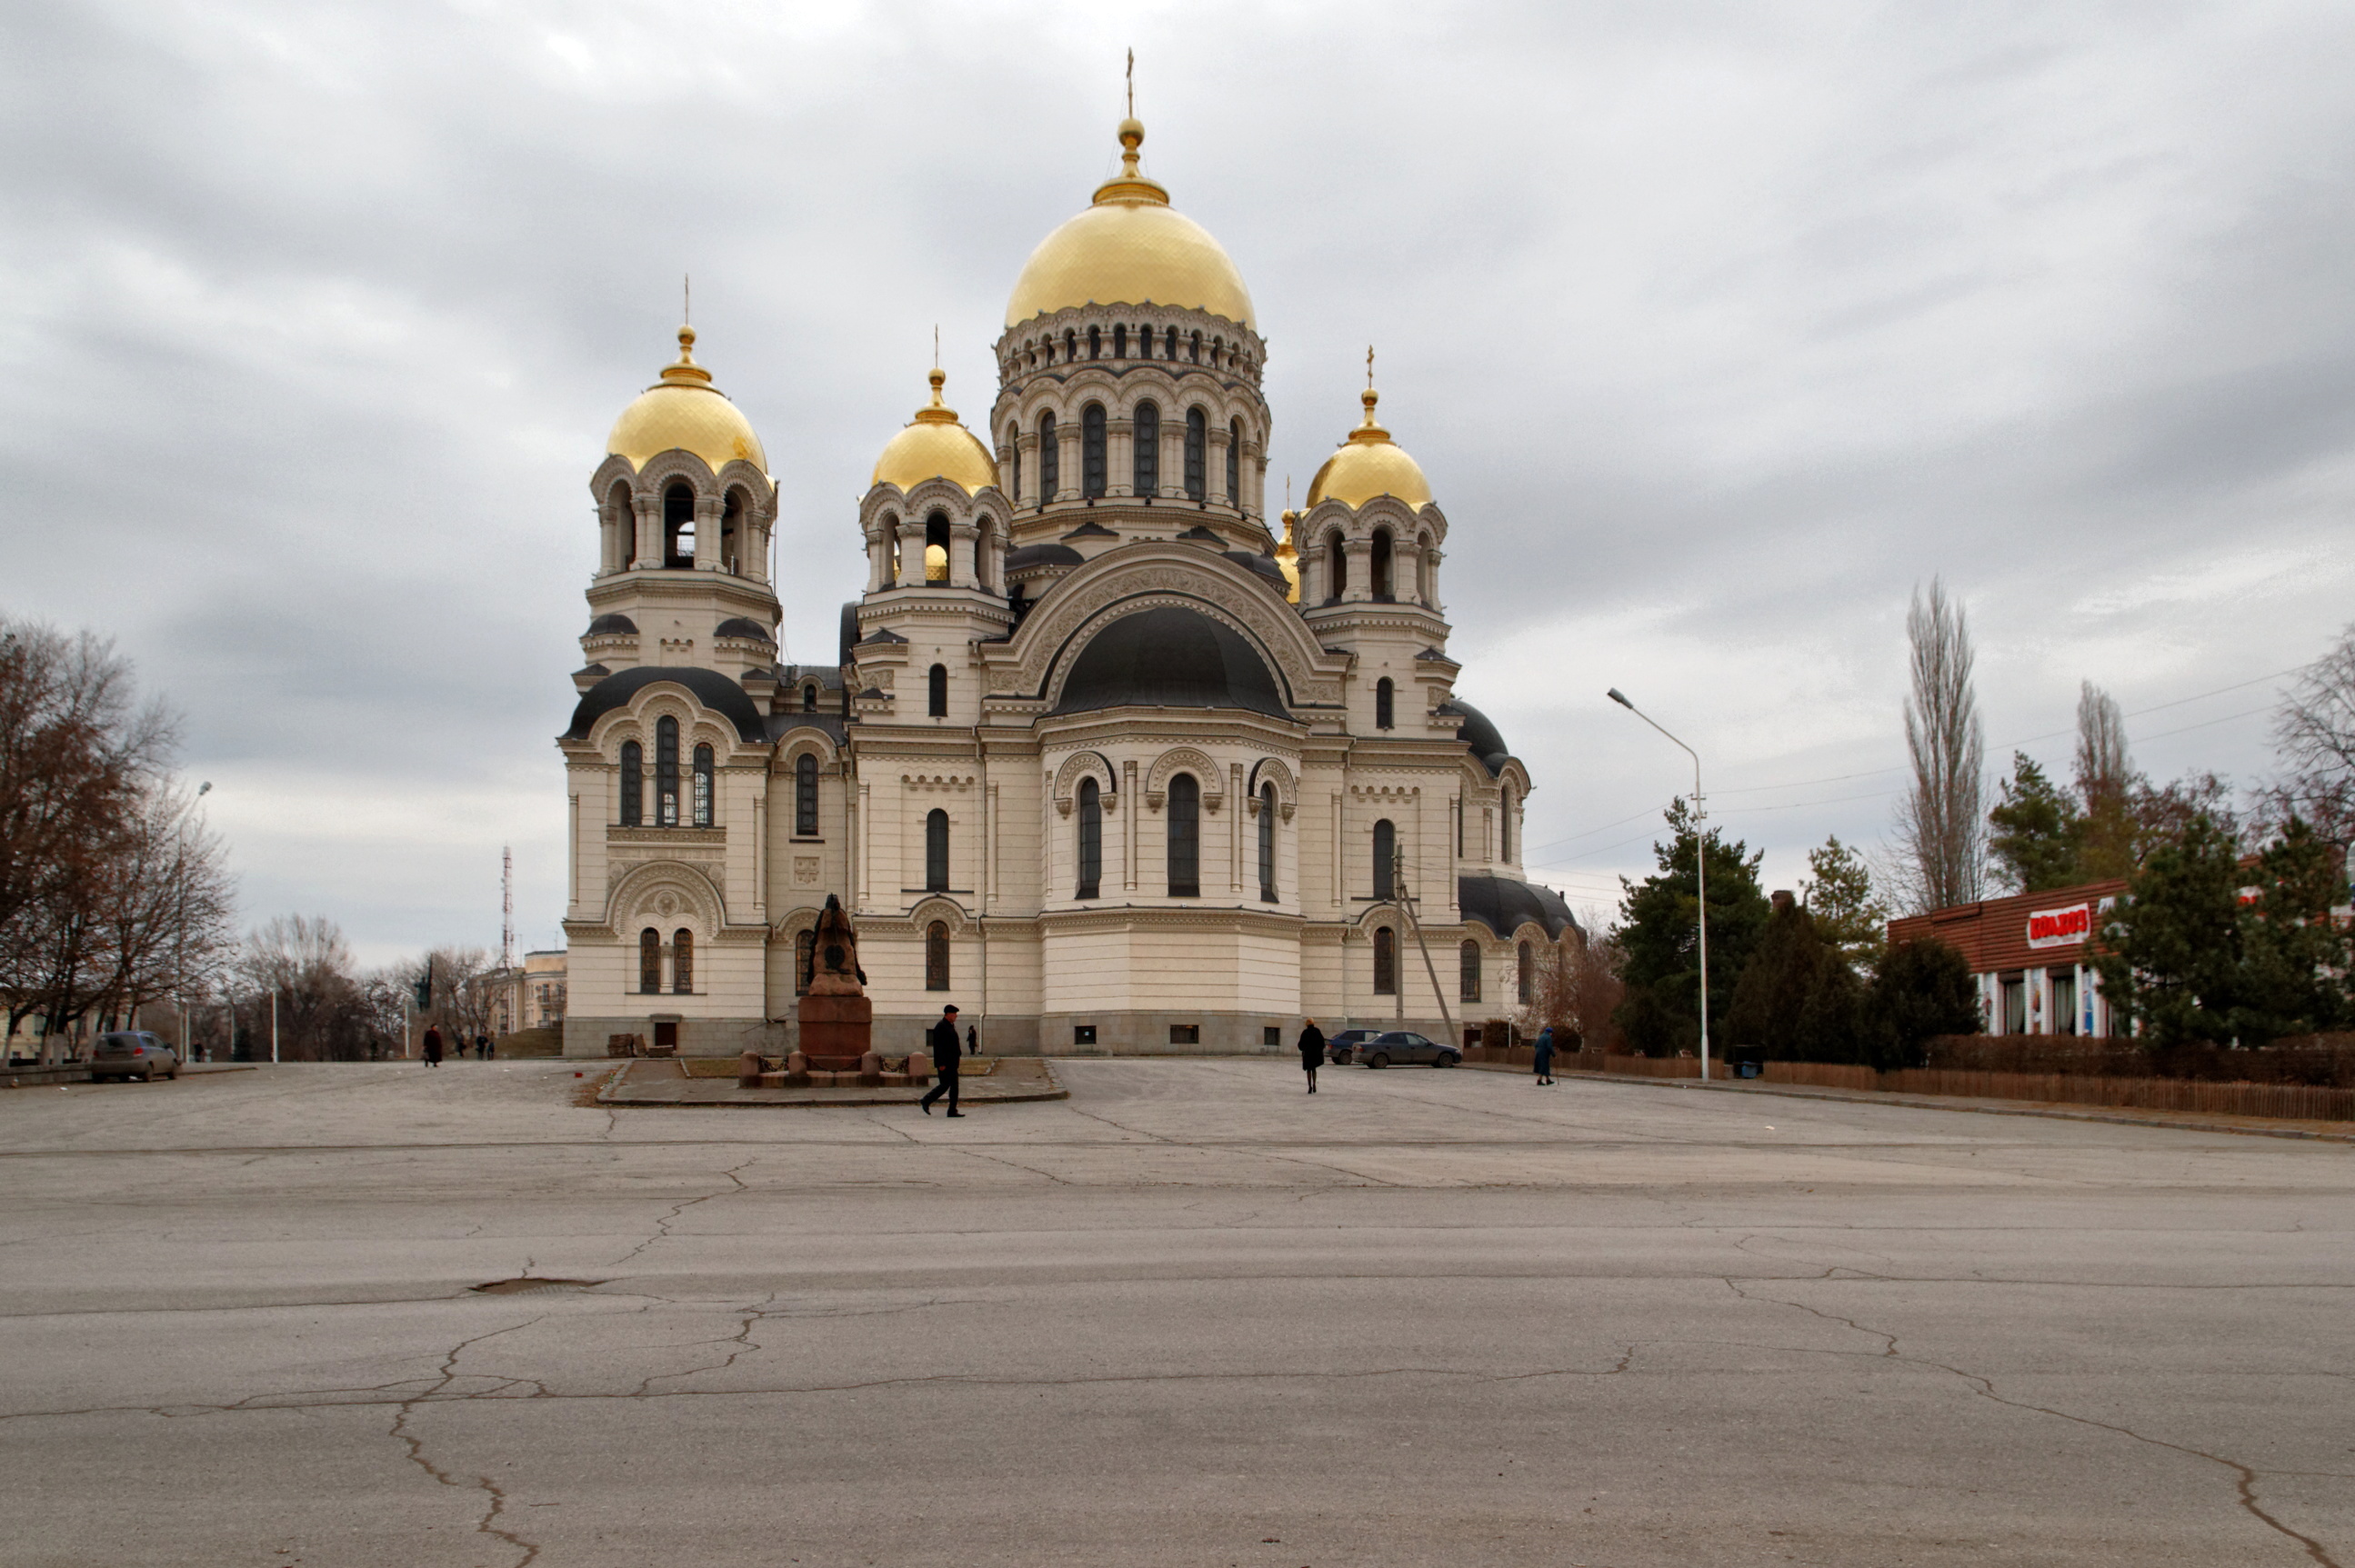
<point>936,852</point>
<point>1381,571</point>
<point>1071,346</point>
<point>1120,343</point>
<point>805,961</point>
<point>937,687</point>
<point>1336,569</point>
<point>623,551</point>
<point>1385,704</point>
<point>1459,827</point>
<point>936,547</point>
<point>1170,344</point>
<point>1385,962</point>
<point>1145,343</point>
<point>1424,588</point>
<point>805,796</point>
<point>936,956</point>
<point>1197,460</point>
<point>809,698</point>
<point>1385,859</point>
<point>1527,960</point>
<point>1095,343</point>
<point>682,961</point>
<point>1468,972</point>
<point>1090,839</point>
<point>667,772</point>
<point>1014,445</point>
<point>1092,450</point>
<point>1145,450</point>
<point>1185,837</point>
<point>649,961</point>
<point>1194,348</point>
<point>634,784</point>
<point>1504,824</point>
<point>1268,843</point>
<point>1235,464</point>
<point>678,526</point>
<point>732,550</point>
<point>703,786</point>
<point>1050,458</point>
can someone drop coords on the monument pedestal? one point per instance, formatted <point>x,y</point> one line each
<point>836,1031</point>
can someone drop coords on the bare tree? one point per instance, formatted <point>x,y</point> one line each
<point>2314,729</point>
<point>1942,823</point>
<point>2107,783</point>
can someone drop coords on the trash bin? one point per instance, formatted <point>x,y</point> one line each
<point>1745,1069</point>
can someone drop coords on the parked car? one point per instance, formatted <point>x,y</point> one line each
<point>1403,1046</point>
<point>1338,1046</point>
<point>133,1053</point>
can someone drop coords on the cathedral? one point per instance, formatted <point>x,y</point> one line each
<point>1105,760</point>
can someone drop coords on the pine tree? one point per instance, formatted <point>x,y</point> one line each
<point>1923,991</point>
<point>1660,1015</point>
<point>2295,956</point>
<point>2173,963</point>
<point>2039,830</point>
<point>1849,916</point>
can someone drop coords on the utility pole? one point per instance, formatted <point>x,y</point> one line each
<point>1700,863</point>
<point>506,908</point>
<point>273,1026</point>
<point>1406,903</point>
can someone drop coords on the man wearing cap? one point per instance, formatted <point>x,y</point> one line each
<point>946,1049</point>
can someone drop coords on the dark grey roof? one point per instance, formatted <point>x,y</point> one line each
<point>1043,555</point>
<point>1505,906</point>
<point>830,725</point>
<point>1201,534</point>
<point>876,692</point>
<point>598,670</point>
<point>849,632</point>
<point>796,674</point>
<point>1264,565</point>
<point>885,634</point>
<point>1091,529</point>
<point>1479,735</point>
<point>1433,654</point>
<point>612,625</point>
<point>1171,657</point>
<point>709,687</point>
<point>738,626</point>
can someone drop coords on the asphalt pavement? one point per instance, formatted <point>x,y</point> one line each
<point>1189,1316</point>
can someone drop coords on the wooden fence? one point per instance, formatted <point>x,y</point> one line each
<point>2299,1102</point>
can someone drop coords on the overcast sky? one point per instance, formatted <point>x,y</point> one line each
<point>1717,329</point>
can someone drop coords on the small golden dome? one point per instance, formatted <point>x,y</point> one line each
<point>936,447</point>
<point>684,412</point>
<point>1369,464</point>
<point>1288,559</point>
<point>1131,247</point>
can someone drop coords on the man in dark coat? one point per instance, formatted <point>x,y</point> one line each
<point>1312,1051</point>
<point>432,1045</point>
<point>945,1050</point>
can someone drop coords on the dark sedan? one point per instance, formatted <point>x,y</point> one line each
<point>1338,1047</point>
<point>1405,1046</point>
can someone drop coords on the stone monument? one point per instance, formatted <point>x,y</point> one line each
<point>838,1020</point>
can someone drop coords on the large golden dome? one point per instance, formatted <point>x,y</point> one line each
<point>935,446</point>
<point>1369,464</point>
<point>1132,248</point>
<point>684,411</point>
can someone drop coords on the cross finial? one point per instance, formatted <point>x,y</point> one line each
<point>1131,84</point>
<point>687,298</point>
<point>936,345</point>
<point>1370,368</point>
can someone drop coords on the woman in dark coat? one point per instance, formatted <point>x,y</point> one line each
<point>1543,1056</point>
<point>432,1045</point>
<point>1312,1051</point>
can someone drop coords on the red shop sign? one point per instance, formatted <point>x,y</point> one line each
<point>2060,928</point>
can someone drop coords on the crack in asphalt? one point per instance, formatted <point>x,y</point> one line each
<point>496,1499</point>
<point>2246,1477</point>
<point>663,1224</point>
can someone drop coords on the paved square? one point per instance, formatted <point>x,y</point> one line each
<point>1189,1316</point>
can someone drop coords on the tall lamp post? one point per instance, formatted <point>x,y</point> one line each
<point>1701,865</point>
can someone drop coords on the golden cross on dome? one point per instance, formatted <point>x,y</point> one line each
<point>1370,368</point>
<point>686,297</point>
<point>1131,84</point>
<point>936,345</point>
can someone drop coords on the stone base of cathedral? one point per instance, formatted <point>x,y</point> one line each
<point>695,1037</point>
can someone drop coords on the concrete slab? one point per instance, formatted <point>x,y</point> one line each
<point>1007,1081</point>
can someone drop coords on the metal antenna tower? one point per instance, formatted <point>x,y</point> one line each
<point>506,907</point>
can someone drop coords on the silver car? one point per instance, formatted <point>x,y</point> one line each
<point>133,1053</point>
<point>1402,1046</point>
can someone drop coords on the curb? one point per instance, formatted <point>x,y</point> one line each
<point>607,1097</point>
<point>2125,1117</point>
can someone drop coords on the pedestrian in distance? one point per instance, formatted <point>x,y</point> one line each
<point>432,1045</point>
<point>1542,1064</point>
<point>944,1042</point>
<point>1312,1051</point>
<point>972,1041</point>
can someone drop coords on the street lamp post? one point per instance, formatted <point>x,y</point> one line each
<point>1700,866</point>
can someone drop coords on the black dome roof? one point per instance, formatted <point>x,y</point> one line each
<point>1503,905</point>
<point>619,625</point>
<point>1265,566</point>
<point>1171,658</point>
<point>709,687</point>
<point>738,626</point>
<point>1478,733</point>
<point>1043,555</point>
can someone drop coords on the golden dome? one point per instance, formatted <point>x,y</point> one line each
<point>1288,559</point>
<point>684,412</point>
<point>1132,248</point>
<point>936,447</point>
<point>1369,464</point>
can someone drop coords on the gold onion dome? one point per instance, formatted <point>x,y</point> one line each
<point>1369,464</point>
<point>935,446</point>
<point>1131,247</point>
<point>683,411</point>
<point>1288,558</point>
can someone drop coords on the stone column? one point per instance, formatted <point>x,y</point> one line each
<point>1128,825</point>
<point>965,563</point>
<point>1067,465</point>
<point>1173,455</point>
<point>710,550</point>
<point>1120,447</point>
<point>912,554</point>
<point>649,551</point>
<point>1026,446</point>
<point>1237,820</point>
<point>1360,555</point>
<point>1214,475</point>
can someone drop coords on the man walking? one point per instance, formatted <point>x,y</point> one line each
<point>1312,1051</point>
<point>972,1041</point>
<point>945,1051</point>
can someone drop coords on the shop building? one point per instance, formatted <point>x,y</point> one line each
<point>2032,956</point>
